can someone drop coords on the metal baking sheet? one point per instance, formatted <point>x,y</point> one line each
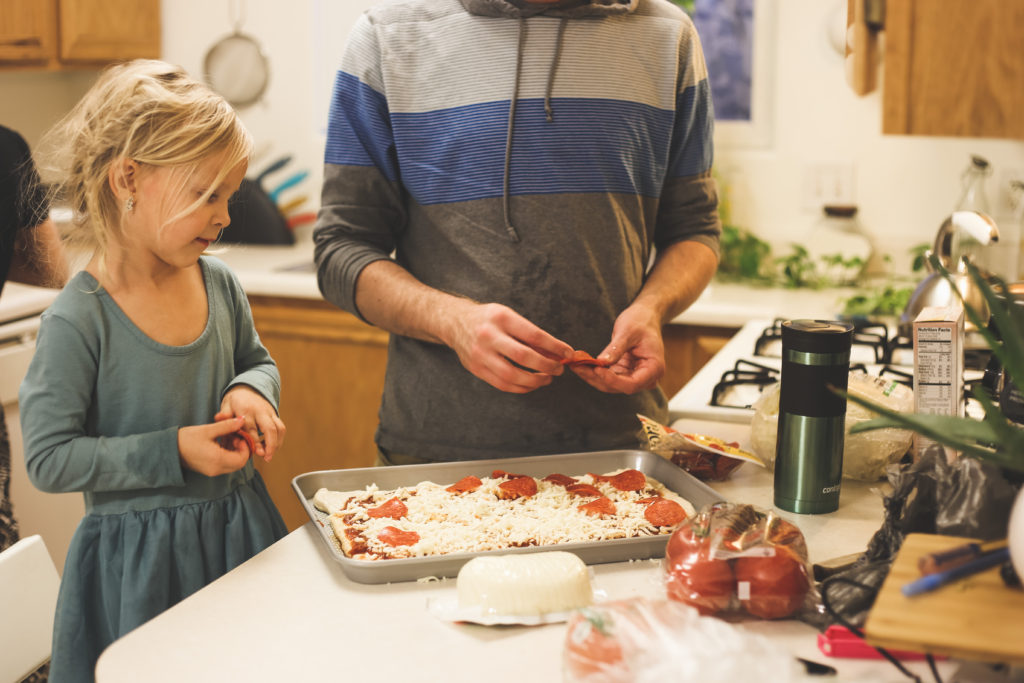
<point>572,464</point>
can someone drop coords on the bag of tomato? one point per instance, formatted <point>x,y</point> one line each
<point>638,640</point>
<point>732,560</point>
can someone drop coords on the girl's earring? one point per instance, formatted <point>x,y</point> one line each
<point>129,203</point>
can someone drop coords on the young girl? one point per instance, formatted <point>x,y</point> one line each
<point>147,366</point>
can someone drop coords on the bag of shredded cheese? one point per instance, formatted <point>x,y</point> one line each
<point>865,456</point>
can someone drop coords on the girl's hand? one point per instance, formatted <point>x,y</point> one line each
<point>261,420</point>
<point>200,447</point>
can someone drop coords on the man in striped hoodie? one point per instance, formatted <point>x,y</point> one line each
<point>506,181</point>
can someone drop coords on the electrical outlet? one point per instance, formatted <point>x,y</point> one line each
<point>826,182</point>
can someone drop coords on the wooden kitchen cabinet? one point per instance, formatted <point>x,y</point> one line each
<point>28,31</point>
<point>954,68</point>
<point>332,370</point>
<point>687,349</point>
<point>54,34</point>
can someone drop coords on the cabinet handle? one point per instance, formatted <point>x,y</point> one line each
<point>864,19</point>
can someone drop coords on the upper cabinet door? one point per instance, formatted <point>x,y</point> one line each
<point>93,31</point>
<point>28,31</point>
<point>954,67</point>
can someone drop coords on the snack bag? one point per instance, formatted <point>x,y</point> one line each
<point>705,457</point>
<point>867,455</point>
<point>640,640</point>
<point>736,560</point>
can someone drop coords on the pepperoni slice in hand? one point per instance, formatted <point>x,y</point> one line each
<point>394,508</point>
<point>665,512</point>
<point>395,537</point>
<point>520,487</point>
<point>580,358</point>
<point>598,507</point>
<point>629,480</point>
<point>560,479</point>
<point>583,490</point>
<point>465,485</point>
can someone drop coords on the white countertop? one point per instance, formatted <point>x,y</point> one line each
<point>288,271</point>
<point>290,613</point>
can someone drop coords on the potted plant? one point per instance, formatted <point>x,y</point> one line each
<point>995,438</point>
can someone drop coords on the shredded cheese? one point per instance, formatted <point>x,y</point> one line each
<point>479,520</point>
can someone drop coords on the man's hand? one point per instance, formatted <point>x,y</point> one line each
<point>505,349</point>
<point>636,355</point>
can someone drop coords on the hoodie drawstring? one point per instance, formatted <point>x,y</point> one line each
<point>506,198</point>
<point>554,67</point>
<point>506,195</point>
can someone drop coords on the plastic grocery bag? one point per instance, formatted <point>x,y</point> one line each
<point>865,455</point>
<point>966,497</point>
<point>654,641</point>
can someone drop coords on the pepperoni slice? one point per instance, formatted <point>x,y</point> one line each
<point>394,508</point>
<point>465,485</point>
<point>560,479</point>
<point>583,358</point>
<point>665,512</point>
<point>396,537</point>
<point>583,490</point>
<point>629,480</point>
<point>520,487</point>
<point>597,508</point>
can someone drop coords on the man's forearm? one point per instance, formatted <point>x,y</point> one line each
<point>680,274</point>
<point>388,296</point>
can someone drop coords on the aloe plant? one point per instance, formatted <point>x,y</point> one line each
<point>994,438</point>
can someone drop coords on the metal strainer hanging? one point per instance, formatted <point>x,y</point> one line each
<point>235,66</point>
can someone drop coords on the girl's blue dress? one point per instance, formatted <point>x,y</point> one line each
<point>100,407</point>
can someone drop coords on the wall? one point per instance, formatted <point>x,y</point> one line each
<point>904,186</point>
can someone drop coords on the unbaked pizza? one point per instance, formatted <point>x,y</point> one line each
<point>499,512</point>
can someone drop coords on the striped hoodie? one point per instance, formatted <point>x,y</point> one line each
<point>534,156</point>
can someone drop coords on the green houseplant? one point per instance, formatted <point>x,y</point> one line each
<point>995,438</point>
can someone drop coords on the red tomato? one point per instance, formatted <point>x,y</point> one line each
<point>589,649</point>
<point>703,583</point>
<point>777,584</point>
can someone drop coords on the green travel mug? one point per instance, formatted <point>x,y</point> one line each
<point>812,418</point>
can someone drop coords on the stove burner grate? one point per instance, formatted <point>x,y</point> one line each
<point>743,373</point>
<point>874,336</point>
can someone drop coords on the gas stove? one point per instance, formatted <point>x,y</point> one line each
<point>726,388</point>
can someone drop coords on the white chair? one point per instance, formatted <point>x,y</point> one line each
<point>28,598</point>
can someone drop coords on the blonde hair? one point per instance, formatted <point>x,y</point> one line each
<point>148,111</point>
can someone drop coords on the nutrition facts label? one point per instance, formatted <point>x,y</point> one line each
<point>938,366</point>
<point>934,376</point>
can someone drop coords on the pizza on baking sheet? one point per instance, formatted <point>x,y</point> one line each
<point>499,512</point>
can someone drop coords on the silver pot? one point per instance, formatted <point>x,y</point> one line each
<point>935,289</point>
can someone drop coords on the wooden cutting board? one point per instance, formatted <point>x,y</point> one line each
<point>977,617</point>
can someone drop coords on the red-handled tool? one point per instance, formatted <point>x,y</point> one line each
<point>839,641</point>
